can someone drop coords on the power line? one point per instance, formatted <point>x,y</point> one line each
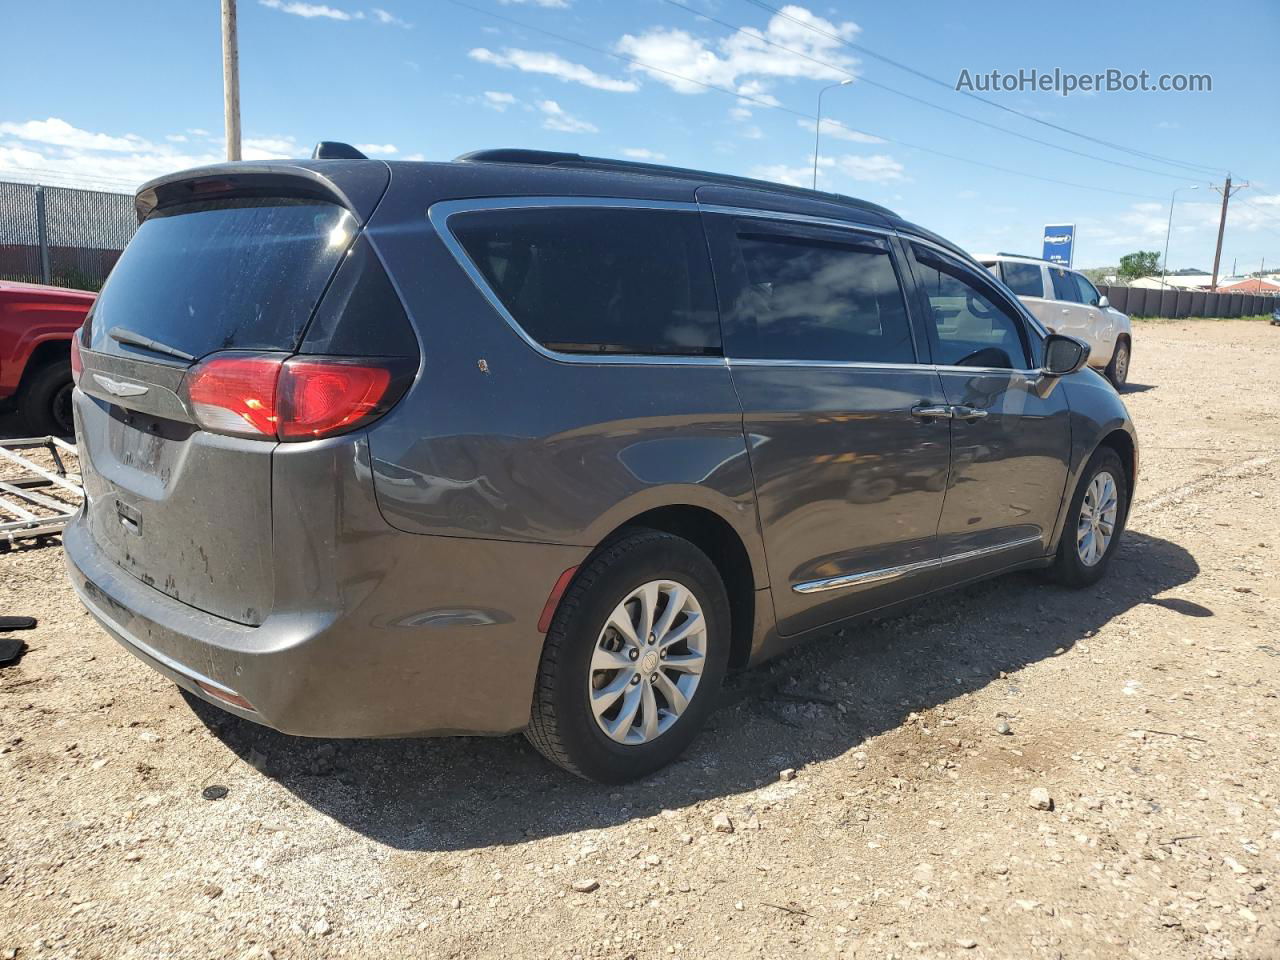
<point>928,103</point>
<point>973,96</point>
<point>788,110</point>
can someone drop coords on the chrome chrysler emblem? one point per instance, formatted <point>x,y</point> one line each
<point>119,388</point>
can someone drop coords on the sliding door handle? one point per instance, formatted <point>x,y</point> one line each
<point>967,413</point>
<point>932,411</point>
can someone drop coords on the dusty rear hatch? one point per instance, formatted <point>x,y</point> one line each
<point>181,507</point>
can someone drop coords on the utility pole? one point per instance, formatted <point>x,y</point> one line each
<point>1226,191</point>
<point>817,126</point>
<point>231,79</point>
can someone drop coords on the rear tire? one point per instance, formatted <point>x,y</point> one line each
<point>1083,557</point>
<point>1118,368</point>
<point>45,403</point>
<point>587,679</point>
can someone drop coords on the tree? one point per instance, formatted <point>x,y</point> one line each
<point>1144,263</point>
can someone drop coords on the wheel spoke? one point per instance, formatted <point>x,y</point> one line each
<point>620,620</point>
<point>648,597</point>
<point>606,697</point>
<point>621,725</point>
<point>692,625</point>
<point>675,603</point>
<point>676,700</point>
<point>604,659</point>
<point>648,711</point>
<point>689,663</point>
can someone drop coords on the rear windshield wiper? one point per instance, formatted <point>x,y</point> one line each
<point>121,335</point>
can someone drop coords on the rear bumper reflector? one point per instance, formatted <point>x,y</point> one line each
<point>553,601</point>
<point>226,696</point>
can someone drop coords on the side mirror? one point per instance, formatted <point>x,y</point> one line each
<point>1103,302</point>
<point>1063,355</point>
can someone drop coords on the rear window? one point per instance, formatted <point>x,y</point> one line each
<point>226,274</point>
<point>1024,279</point>
<point>582,280</point>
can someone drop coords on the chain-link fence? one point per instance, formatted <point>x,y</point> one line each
<point>62,236</point>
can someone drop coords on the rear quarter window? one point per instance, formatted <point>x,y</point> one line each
<point>598,280</point>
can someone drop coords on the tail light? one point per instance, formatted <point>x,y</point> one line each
<point>302,398</point>
<point>77,362</point>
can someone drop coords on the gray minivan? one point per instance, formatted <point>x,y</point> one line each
<point>534,441</point>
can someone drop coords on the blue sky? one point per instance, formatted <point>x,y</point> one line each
<point>134,90</point>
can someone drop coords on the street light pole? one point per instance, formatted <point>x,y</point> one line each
<point>1164,263</point>
<point>817,126</point>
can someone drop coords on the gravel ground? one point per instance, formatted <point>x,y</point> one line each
<point>1013,770</point>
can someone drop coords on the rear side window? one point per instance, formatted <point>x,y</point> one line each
<point>1023,278</point>
<point>226,274</point>
<point>823,296</point>
<point>1064,285</point>
<point>599,280</point>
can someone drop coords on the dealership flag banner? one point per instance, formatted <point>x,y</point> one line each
<point>1059,238</point>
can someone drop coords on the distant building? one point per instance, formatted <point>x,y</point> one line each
<point>1251,285</point>
<point>1175,282</point>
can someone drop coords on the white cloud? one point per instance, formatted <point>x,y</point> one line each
<point>838,131</point>
<point>270,148</point>
<point>310,10</point>
<point>557,4</point>
<point>59,133</point>
<point>54,149</point>
<point>644,153</point>
<point>876,168</point>
<point>415,156</point>
<point>742,61</point>
<point>781,173</point>
<point>740,113</point>
<point>386,149</point>
<point>551,64</point>
<point>753,133</point>
<point>388,19</point>
<point>497,100</point>
<point>557,119</point>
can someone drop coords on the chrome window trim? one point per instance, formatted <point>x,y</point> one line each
<point>893,573</point>
<point>439,213</point>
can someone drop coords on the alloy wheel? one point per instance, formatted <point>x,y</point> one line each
<point>1097,522</point>
<point>647,662</point>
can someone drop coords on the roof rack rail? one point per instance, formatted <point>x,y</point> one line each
<point>550,158</point>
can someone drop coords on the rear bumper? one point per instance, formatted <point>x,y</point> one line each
<point>443,640</point>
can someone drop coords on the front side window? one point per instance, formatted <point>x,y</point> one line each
<point>1064,285</point>
<point>599,280</point>
<point>1088,292</point>
<point>972,325</point>
<point>819,296</point>
<point>1023,278</point>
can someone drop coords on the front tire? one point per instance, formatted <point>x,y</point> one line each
<point>633,660</point>
<point>1095,521</point>
<point>1118,368</point>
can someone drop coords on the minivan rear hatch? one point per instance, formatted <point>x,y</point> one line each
<point>239,266</point>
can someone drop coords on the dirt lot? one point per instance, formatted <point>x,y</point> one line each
<point>1146,707</point>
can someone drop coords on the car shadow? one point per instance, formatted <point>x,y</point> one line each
<point>1132,387</point>
<point>822,700</point>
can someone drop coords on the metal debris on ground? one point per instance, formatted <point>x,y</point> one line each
<point>37,497</point>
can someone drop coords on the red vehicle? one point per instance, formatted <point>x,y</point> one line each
<point>36,323</point>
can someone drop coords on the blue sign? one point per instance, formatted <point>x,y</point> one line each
<point>1058,241</point>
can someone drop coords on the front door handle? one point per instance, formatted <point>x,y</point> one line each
<point>932,411</point>
<point>967,413</point>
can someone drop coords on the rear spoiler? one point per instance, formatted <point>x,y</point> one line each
<point>357,185</point>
